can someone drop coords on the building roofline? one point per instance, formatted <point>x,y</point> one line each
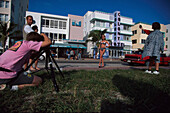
<point>126,17</point>
<point>45,14</point>
<point>75,15</point>
<point>143,23</point>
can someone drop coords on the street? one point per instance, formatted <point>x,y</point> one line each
<point>92,64</point>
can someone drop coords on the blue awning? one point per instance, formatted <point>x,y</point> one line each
<point>66,45</point>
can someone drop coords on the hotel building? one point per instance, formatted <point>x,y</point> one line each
<point>139,36</point>
<point>118,31</point>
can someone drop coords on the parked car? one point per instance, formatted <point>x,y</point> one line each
<point>136,58</point>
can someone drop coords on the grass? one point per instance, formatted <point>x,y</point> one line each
<point>93,91</point>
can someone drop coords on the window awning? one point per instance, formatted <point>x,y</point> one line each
<point>66,45</point>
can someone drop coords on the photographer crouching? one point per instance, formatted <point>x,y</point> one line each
<point>12,61</point>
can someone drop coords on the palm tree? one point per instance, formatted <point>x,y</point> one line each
<point>96,35</point>
<point>6,32</point>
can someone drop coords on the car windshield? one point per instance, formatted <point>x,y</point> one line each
<point>138,52</point>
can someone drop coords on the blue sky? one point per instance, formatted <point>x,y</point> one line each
<point>146,11</point>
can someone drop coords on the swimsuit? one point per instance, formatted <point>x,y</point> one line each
<point>101,44</point>
<point>102,49</point>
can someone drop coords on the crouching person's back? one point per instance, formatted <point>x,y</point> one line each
<point>12,61</point>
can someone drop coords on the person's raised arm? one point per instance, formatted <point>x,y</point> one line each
<point>46,41</point>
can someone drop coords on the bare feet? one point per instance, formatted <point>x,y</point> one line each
<point>37,68</point>
<point>32,69</point>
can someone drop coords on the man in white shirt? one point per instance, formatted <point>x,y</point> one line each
<point>27,27</point>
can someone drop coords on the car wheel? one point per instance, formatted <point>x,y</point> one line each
<point>42,57</point>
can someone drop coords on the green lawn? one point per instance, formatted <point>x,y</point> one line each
<point>93,91</point>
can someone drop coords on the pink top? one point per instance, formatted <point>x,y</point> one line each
<point>16,56</point>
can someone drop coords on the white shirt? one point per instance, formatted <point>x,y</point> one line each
<point>28,29</point>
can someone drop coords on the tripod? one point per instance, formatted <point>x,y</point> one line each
<point>49,60</point>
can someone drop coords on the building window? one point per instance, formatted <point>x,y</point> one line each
<point>134,41</point>
<point>56,24</point>
<point>73,22</point>
<point>125,27</point>
<point>1,17</point>
<point>2,4</point>
<point>166,46</point>
<point>7,4</point>
<point>64,36</point>
<point>60,25</point>
<point>4,17</point>
<point>134,32</point>
<point>166,38</point>
<point>55,36</point>
<point>166,30</point>
<point>51,36</point>
<point>97,23</point>
<point>52,24</point>
<point>126,38</point>
<point>64,25</point>
<point>143,41</point>
<point>45,23</point>
<point>60,36</point>
<point>102,24</point>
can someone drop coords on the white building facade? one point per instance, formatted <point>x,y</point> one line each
<point>118,30</point>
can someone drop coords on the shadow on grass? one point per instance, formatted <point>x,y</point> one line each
<point>144,97</point>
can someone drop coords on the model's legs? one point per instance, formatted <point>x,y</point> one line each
<point>102,57</point>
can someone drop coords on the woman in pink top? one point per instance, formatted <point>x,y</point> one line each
<point>12,61</point>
